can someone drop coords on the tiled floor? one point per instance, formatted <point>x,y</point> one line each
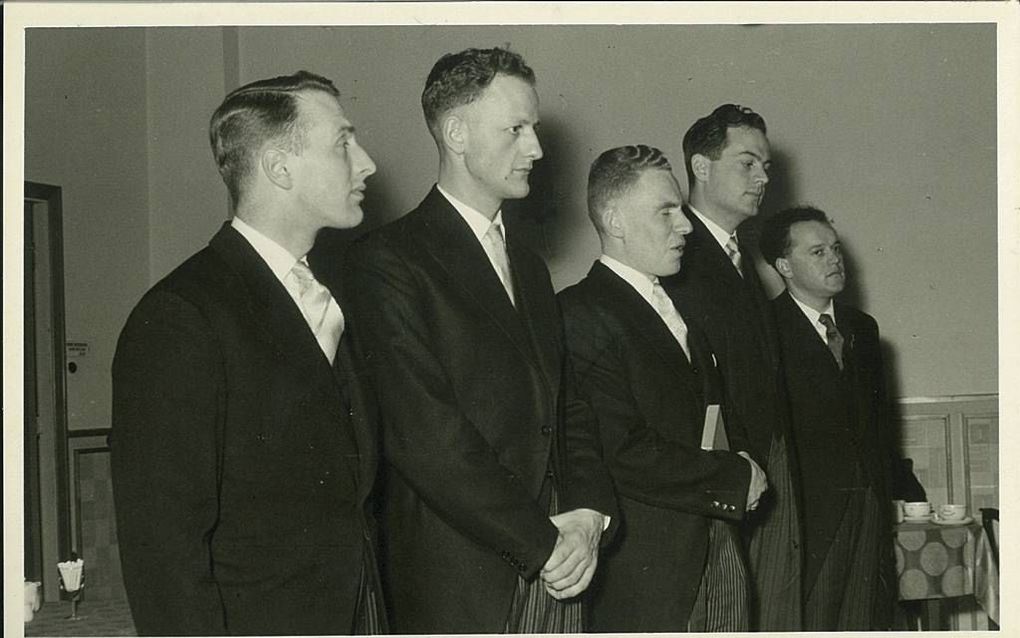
<point>97,618</point>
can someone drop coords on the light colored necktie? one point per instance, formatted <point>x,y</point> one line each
<point>495,248</point>
<point>733,251</point>
<point>319,309</point>
<point>833,337</point>
<point>664,306</point>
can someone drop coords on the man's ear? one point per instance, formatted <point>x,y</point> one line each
<point>701,166</point>
<point>613,222</point>
<point>274,165</point>
<point>782,266</point>
<point>453,128</point>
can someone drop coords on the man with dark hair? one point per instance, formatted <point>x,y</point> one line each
<point>649,377</point>
<point>834,374</point>
<point>243,451</point>
<point>495,497</point>
<point>727,157</point>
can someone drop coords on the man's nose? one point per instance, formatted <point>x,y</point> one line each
<point>364,162</point>
<point>532,147</point>
<point>683,225</point>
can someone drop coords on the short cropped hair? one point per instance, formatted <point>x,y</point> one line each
<point>774,240</point>
<point>254,114</point>
<point>457,79</point>
<point>615,171</point>
<point>707,136</point>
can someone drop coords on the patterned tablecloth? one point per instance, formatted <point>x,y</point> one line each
<point>936,561</point>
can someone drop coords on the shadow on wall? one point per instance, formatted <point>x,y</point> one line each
<point>537,218</point>
<point>379,207</point>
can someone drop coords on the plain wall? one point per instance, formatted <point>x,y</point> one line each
<point>187,199</point>
<point>889,128</point>
<point>85,131</point>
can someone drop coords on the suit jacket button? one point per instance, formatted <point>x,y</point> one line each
<point>546,430</point>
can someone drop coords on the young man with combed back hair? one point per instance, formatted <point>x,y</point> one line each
<point>495,498</point>
<point>243,450</point>
<point>678,563</point>
<point>727,158</point>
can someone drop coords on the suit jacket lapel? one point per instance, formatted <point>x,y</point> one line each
<point>271,305</point>
<point>361,410</point>
<point>455,248</point>
<point>536,307</point>
<point>641,318</point>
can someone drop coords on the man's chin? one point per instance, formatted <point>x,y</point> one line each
<point>350,218</point>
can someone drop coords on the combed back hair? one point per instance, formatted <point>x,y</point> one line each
<point>615,171</point>
<point>774,240</point>
<point>254,114</point>
<point>457,79</point>
<point>707,136</point>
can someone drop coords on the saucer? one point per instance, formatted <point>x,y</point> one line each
<point>962,521</point>
<point>917,519</point>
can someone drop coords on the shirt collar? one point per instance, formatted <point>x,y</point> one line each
<point>478,222</point>
<point>721,236</point>
<point>279,260</point>
<point>813,314</point>
<point>638,280</point>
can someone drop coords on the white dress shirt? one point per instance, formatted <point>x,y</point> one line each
<point>278,258</point>
<point>479,224</point>
<point>644,285</point>
<point>813,316</point>
<point>720,235</point>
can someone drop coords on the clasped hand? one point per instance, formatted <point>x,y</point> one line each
<point>570,567</point>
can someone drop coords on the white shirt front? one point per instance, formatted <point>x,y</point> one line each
<point>639,281</point>
<point>478,222</point>
<point>720,234</point>
<point>813,316</point>
<point>278,258</point>
<point>644,285</point>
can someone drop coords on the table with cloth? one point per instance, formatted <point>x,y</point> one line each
<point>936,562</point>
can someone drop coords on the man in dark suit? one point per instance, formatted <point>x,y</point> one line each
<point>833,364</point>
<point>727,158</point>
<point>242,451</point>
<point>482,440</point>
<point>649,377</point>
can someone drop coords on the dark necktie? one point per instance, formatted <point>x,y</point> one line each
<point>834,338</point>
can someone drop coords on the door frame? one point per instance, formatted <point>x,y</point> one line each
<point>50,195</point>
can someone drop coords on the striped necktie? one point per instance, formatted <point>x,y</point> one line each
<point>733,252</point>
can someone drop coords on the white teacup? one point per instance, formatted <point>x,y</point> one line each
<point>952,512</point>
<point>917,509</point>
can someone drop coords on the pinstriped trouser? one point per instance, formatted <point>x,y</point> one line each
<point>775,554</point>
<point>723,601</point>
<point>845,593</point>
<point>533,610</point>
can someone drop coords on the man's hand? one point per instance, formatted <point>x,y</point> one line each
<point>570,567</point>
<point>758,483</point>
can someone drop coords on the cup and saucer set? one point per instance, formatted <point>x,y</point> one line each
<point>949,514</point>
